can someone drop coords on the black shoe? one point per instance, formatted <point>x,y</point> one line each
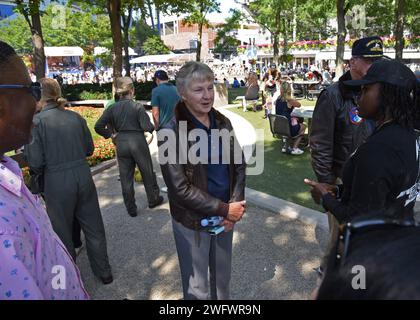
<point>133,214</point>
<point>107,280</point>
<point>153,205</point>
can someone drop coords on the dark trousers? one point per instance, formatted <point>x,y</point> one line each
<point>132,150</point>
<point>71,195</point>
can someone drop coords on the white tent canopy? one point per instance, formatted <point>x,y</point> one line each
<point>159,58</point>
<point>101,50</point>
<point>63,51</point>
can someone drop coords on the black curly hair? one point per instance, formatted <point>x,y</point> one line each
<point>401,104</point>
<point>6,51</point>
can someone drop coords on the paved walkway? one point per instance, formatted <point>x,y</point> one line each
<point>273,255</point>
<point>276,245</point>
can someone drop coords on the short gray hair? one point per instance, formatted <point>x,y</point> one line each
<point>192,71</point>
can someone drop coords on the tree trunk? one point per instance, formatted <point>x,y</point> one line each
<point>399,29</point>
<point>149,6</point>
<point>114,7</point>
<point>285,39</point>
<point>38,43</point>
<point>276,47</point>
<point>294,21</point>
<point>200,36</point>
<point>126,28</point>
<point>341,37</point>
<point>33,19</point>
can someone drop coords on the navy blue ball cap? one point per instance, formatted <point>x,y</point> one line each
<point>161,75</point>
<point>370,47</point>
<point>387,71</point>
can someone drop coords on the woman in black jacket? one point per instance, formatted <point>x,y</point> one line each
<point>381,178</point>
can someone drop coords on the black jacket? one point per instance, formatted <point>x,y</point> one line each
<point>187,183</point>
<point>334,136</point>
<point>381,178</point>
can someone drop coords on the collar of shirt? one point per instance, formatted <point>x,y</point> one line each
<point>11,176</point>
<point>49,107</point>
<point>199,125</point>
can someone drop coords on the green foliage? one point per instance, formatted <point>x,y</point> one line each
<point>76,29</point>
<point>89,91</point>
<point>312,18</point>
<point>224,41</point>
<point>154,45</point>
<point>16,33</point>
<point>199,9</point>
<point>140,33</point>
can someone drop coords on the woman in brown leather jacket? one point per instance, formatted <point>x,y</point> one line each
<point>202,184</point>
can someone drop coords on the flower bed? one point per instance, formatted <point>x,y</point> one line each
<point>104,150</point>
<point>88,113</point>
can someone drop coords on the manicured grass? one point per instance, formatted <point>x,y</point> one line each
<point>91,125</point>
<point>283,174</point>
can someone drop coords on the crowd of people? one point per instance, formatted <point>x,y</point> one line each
<point>369,115</point>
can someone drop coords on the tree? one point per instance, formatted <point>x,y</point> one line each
<point>313,18</point>
<point>400,6</point>
<point>16,33</point>
<point>341,36</point>
<point>126,18</point>
<point>31,13</point>
<point>199,9</point>
<point>274,16</point>
<point>114,12</point>
<point>154,45</point>
<point>79,29</point>
<point>140,33</point>
<point>224,41</point>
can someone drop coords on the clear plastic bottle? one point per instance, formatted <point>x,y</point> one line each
<point>211,221</point>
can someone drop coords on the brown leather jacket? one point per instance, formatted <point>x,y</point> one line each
<point>335,134</point>
<point>187,183</point>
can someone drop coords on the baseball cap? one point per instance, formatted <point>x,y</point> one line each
<point>387,71</point>
<point>369,47</point>
<point>161,75</point>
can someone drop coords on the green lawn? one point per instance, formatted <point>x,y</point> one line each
<point>91,125</point>
<point>283,174</point>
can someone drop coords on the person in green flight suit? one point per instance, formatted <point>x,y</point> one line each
<point>61,143</point>
<point>126,121</point>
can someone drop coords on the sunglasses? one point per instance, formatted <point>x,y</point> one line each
<point>34,89</point>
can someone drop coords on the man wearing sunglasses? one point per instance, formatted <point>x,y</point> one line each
<point>337,130</point>
<point>34,263</point>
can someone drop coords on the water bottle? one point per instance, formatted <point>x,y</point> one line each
<point>211,221</point>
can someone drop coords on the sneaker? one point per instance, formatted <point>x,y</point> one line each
<point>296,151</point>
<point>286,150</point>
<point>153,205</point>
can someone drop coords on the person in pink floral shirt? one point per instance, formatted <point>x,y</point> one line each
<point>34,263</point>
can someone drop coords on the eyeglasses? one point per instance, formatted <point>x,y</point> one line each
<point>35,89</point>
<point>359,226</point>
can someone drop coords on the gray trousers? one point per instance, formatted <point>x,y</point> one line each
<point>132,150</point>
<point>205,263</point>
<point>71,194</point>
